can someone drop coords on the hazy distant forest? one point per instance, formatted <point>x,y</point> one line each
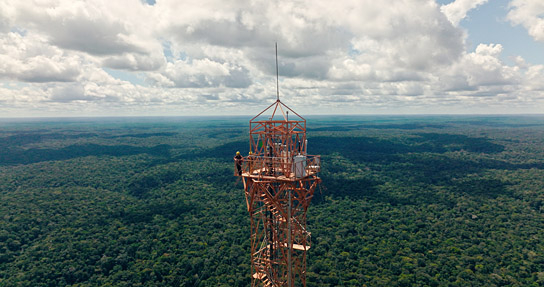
<point>405,201</point>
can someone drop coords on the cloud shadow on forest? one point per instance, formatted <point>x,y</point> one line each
<point>423,142</point>
<point>26,156</point>
<point>353,127</point>
<point>224,152</point>
<point>23,138</point>
<point>418,161</point>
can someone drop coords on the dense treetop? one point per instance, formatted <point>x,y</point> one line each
<point>405,201</point>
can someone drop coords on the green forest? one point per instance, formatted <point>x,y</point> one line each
<point>405,201</point>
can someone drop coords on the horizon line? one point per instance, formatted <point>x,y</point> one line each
<point>248,115</point>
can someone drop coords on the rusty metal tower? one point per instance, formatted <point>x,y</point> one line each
<point>279,180</point>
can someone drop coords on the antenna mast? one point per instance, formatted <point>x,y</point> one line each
<point>277,75</point>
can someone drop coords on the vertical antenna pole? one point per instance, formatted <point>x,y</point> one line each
<point>277,75</point>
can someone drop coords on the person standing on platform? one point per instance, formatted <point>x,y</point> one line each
<point>238,159</point>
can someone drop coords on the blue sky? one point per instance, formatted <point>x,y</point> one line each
<point>172,58</point>
<point>488,24</point>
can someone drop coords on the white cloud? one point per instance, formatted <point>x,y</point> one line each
<point>30,59</point>
<point>77,25</point>
<point>483,67</point>
<point>458,9</point>
<point>529,14</point>
<point>135,62</point>
<point>533,80</point>
<point>481,70</point>
<point>68,93</point>
<point>411,38</point>
<point>120,32</point>
<point>198,73</point>
<point>6,15</point>
<point>195,56</point>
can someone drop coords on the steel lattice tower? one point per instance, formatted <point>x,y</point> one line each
<point>279,180</point>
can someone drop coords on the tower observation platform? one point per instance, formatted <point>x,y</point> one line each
<point>279,178</point>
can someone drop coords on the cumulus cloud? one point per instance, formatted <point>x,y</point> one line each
<point>411,39</point>
<point>5,18</point>
<point>135,62</point>
<point>484,68</point>
<point>353,56</point>
<point>458,9</point>
<point>529,14</point>
<point>478,75</point>
<point>318,45</point>
<point>92,27</point>
<point>68,93</point>
<point>30,59</point>
<point>533,80</point>
<point>198,73</point>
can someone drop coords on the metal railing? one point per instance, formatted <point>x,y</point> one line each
<point>298,166</point>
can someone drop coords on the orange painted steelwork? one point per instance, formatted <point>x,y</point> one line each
<point>279,180</point>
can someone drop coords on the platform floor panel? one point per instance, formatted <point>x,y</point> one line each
<point>262,176</point>
<point>296,246</point>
